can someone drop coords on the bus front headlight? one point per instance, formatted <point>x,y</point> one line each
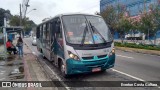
<point>112,52</point>
<point>73,56</point>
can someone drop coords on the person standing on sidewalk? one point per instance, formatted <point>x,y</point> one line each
<point>20,46</point>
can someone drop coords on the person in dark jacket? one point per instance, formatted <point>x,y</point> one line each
<point>20,46</point>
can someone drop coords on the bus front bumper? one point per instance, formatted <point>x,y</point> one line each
<point>77,67</point>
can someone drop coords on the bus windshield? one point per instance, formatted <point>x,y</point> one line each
<point>86,29</point>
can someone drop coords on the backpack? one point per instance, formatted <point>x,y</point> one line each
<point>19,44</point>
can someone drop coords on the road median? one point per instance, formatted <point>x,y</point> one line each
<point>152,52</point>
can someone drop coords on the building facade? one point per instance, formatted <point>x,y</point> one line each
<point>133,7</point>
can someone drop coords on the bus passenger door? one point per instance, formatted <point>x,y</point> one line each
<point>58,41</point>
<point>52,42</point>
<point>47,48</point>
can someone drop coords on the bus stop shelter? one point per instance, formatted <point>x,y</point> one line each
<point>11,29</point>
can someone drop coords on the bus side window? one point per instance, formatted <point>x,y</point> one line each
<point>48,35</point>
<point>41,32</point>
<point>44,35</point>
<point>52,32</point>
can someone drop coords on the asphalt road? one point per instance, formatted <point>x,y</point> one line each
<point>144,66</point>
<point>129,66</point>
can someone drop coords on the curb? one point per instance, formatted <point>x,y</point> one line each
<point>152,52</point>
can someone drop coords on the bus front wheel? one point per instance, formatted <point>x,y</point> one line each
<point>43,55</point>
<point>62,68</point>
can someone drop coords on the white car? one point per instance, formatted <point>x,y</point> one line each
<point>34,42</point>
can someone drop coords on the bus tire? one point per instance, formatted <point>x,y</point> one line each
<point>62,69</point>
<point>43,55</point>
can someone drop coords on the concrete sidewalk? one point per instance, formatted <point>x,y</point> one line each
<point>26,68</point>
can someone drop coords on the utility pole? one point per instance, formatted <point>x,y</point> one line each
<point>5,38</point>
<point>20,15</point>
<point>20,22</point>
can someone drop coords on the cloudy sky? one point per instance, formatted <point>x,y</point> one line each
<point>49,8</point>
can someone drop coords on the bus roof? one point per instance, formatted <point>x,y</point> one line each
<point>59,15</point>
<point>77,14</point>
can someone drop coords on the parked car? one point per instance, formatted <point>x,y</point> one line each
<point>34,42</point>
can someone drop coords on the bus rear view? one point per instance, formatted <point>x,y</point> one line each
<point>89,44</point>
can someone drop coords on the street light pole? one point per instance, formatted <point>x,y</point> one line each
<point>20,24</point>
<point>31,10</point>
<point>5,37</point>
<point>20,15</point>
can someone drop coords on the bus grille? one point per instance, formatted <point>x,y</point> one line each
<point>92,57</point>
<point>87,58</point>
<point>102,56</point>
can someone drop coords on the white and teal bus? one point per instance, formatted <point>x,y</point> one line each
<point>76,43</point>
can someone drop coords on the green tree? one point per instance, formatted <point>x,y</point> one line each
<point>123,26</point>
<point>15,21</point>
<point>116,20</point>
<point>28,24</point>
<point>149,25</point>
<point>136,26</point>
<point>123,23</point>
<point>109,15</point>
<point>4,13</point>
<point>155,11</point>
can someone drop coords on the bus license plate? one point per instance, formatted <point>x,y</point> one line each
<point>96,69</point>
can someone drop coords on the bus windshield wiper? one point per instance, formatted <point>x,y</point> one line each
<point>93,28</point>
<point>84,34</point>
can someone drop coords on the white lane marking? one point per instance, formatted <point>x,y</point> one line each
<point>127,75</point>
<point>125,56</point>
<point>34,53</point>
<point>1,73</point>
<point>68,88</point>
<point>139,79</point>
<point>2,78</point>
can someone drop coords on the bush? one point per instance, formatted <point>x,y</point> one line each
<point>140,46</point>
